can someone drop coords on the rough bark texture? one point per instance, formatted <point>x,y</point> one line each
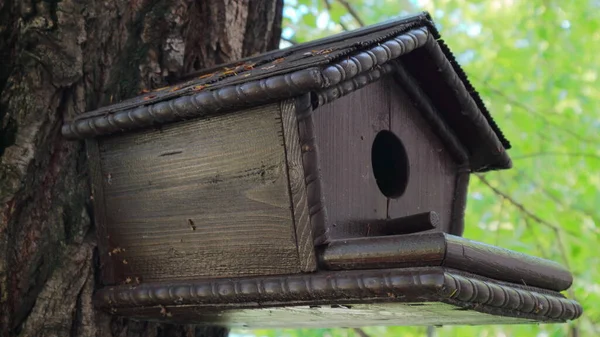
<point>59,59</point>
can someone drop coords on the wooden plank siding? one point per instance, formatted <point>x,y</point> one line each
<point>345,130</point>
<point>201,198</point>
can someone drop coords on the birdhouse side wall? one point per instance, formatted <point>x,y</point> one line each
<point>197,199</point>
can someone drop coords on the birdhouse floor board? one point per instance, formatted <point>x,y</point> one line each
<point>407,296</point>
<point>347,315</point>
<point>201,198</point>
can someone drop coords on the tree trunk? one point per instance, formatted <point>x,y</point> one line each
<point>62,58</point>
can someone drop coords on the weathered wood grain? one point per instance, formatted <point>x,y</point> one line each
<point>344,131</point>
<point>432,170</point>
<point>107,270</point>
<point>295,169</point>
<point>203,198</point>
<point>312,172</point>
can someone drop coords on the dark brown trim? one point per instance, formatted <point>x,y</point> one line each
<point>245,94</point>
<point>361,286</point>
<point>519,300</point>
<point>410,224</point>
<point>199,105</point>
<point>438,79</point>
<point>459,204</point>
<point>366,60</point>
<point>422,19</point>
<point>440,249</point>
<point>344,88</point>
<point>425,106</point>
<point>312,174</point>
<point>297,187</point>
<point>380,252</point>
<point>471,90</point>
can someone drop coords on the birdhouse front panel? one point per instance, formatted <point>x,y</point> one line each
<point>379,160</point>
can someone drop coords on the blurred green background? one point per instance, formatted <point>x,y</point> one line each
<point>536,64</point>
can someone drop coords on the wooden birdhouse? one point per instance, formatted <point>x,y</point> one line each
<point>320,185</point>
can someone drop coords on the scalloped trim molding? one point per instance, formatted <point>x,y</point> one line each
<point>399,285</point>
<point>249,93</point>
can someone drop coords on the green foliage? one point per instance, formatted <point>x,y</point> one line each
<point>535,64</point>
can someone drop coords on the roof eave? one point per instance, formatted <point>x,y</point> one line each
<point>246,94</point>
<point>483,139</point>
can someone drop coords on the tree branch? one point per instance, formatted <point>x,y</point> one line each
<point>360,332</point>
<point>548,194</point>
<point>542,116</point>
<point>290,41</point>
<point>328,6</point>
<point>557,154</point>
<point>537,240</point>
<point>565,257</point>
<point>352,12</point>
<point>344,27</point>
<point>593,324</point>
<point>520,206</point>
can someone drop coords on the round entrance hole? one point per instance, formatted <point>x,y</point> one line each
<point>390,164</point>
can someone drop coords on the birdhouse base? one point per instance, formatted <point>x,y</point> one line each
<point>400,296</point>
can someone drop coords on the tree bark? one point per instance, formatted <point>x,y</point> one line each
<point>62,58</point>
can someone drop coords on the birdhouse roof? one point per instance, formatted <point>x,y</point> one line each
<point>338,64</point>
